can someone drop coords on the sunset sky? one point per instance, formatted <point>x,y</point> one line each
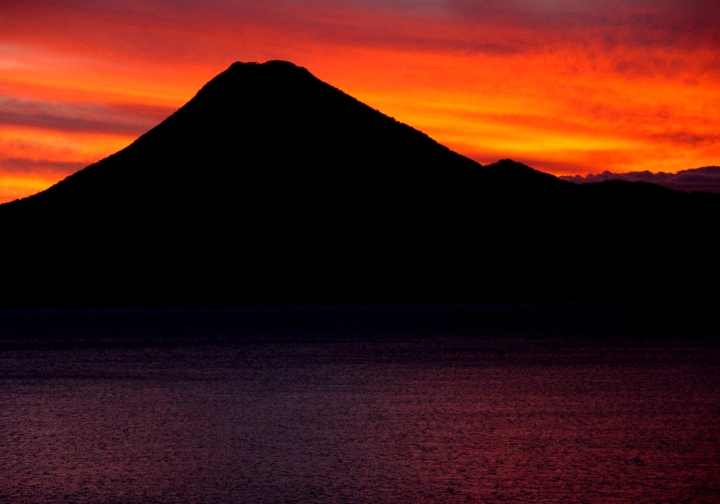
<point>565,86</point>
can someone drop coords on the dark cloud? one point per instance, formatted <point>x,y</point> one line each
<point>87,117</point>
<point>688,139</point>
<point>637,22</point>
<point>24,166</point>
<point>698,179</point>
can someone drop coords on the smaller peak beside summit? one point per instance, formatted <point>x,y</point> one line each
<point>509,164</point>
<point>519,172</point>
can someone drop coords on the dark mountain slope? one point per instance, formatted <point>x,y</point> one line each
<point>257,122</point>
<point>270,186</point>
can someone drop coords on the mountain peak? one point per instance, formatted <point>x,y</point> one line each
<point>272,69</point>
<point>270,64</point>
<point>259,124</point>
<point>241,80</point>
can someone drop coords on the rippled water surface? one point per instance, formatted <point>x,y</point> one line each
<point>398,406</point>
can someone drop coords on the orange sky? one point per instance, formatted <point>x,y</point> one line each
<point>563,86</point>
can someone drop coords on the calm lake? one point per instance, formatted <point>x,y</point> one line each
<point>494,403</point>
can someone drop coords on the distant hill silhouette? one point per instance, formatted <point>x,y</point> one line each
<point>696,179</point>
<point>273,187</point>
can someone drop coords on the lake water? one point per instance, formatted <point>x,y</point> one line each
<point>420,404</point>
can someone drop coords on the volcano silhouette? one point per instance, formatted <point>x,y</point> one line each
<point>272,187</point>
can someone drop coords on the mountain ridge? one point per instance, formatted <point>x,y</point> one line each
<point>272,187</point>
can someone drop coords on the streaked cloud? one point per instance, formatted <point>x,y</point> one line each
<point>81,117</point>
<point>27,167</point>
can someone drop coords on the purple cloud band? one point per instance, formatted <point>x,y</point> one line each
<point>697,179</point>
<point>118,119</point>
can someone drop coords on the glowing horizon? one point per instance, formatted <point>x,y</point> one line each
<point>565,88</point>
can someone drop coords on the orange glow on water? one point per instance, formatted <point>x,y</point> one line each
<point>564,87</point>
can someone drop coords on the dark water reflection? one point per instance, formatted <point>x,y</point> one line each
<point>318,412</point>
